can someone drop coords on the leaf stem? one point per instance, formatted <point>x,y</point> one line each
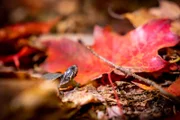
<point>116,95</point>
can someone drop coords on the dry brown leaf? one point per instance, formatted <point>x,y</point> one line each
<point>167,9</point>
<point>139,17</point>
<point>82,96</point>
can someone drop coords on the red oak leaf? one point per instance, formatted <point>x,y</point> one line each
<point>137,50</point>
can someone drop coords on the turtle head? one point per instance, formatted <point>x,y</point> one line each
<point>69,74</point>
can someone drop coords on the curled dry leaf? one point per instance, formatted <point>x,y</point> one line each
<point>137,50</point>
<point>82,96</point>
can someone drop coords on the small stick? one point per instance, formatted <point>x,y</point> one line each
<point>129,72</point>
<point>115,15</point>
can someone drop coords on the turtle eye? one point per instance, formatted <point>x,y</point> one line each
<point>68,78</point>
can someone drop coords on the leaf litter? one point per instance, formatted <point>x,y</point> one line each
<point>26,95</point>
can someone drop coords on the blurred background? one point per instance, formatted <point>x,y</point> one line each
<point>15,11</point>
<point>76,16</point>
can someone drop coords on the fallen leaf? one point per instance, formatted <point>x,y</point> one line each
<point>23,30</point>
<point>136,50</point>
<point>174,88</point>
<point>167,9</point>
<point>139,17</point>
<point>143,86</point>
<point>13,46</point>
<point>82,96</point>
<point>64,53</point>
<point>15,58</point>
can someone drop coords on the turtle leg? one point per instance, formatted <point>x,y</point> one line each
<point>60,93</point>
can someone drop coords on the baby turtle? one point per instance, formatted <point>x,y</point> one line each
<point>66,79</point>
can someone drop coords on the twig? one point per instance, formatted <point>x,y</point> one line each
<point>115,15</point>
<point>130,73</point>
